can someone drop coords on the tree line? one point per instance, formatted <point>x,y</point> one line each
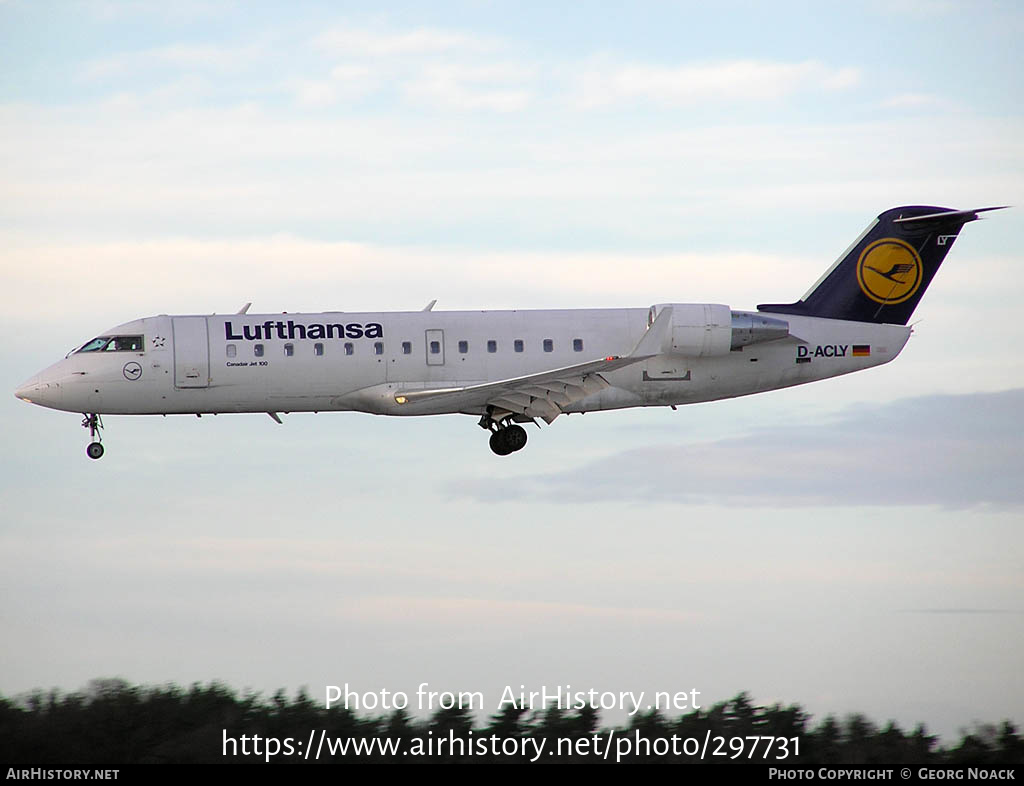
<point>114,722</point>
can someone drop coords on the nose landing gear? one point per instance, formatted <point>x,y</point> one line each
<point>94,424</point>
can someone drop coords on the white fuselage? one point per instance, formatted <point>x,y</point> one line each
<point>362,361</point>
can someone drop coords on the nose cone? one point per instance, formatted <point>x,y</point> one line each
<point>27,388</point>
<point>37,390</point>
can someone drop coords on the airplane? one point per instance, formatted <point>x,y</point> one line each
<point>510,368</point>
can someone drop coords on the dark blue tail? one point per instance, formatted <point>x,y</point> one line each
<point>885,272</point>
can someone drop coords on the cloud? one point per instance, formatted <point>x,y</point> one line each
<point>182,11</point>
<point>351,41</point>
<point>181,56</point>
<point>408,61</point>
<point>918,101</point>
<point>953,451</point>
<point>411,57</point>
<point>127,166</point>
<point>501,88</point>
<point>746,80</point>
<point>348,81</point>
<point>157,273</point>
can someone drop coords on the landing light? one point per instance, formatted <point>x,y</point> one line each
<point>400,399</point>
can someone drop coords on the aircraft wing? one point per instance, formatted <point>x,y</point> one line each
<point>543,395</point>
<point>535,395</point>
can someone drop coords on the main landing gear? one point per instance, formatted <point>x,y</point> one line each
<point>94,424</point>
<point>506,437</point>
<point>508,440</point>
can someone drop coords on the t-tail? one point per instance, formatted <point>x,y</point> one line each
<point>883,275</point>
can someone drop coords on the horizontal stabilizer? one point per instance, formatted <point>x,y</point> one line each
<point>968,215</point>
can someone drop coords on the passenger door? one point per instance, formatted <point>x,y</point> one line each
<point>191,353</point>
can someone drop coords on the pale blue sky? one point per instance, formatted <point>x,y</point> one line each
<point>853,545</point>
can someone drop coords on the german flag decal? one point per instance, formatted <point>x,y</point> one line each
<point>862,350</point>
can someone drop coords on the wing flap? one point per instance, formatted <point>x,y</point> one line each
<point>582,376</point>
<point>541,395</point>
<point>515,401</point>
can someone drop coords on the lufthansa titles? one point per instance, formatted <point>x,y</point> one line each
<point>293,330</point>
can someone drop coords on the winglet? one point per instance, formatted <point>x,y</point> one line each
<point>657,335</point>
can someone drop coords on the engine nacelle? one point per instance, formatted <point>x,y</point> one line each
<point>698,330</point>
<point>702,330</point>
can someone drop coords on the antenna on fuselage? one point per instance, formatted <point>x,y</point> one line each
<point>244,308</point>
<point>430,305</point>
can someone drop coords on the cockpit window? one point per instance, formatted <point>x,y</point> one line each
<point>125,344</point>
<point>114,344</point>
<point>96,344</point>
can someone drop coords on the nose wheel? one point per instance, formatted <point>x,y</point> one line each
<point>94,424</point>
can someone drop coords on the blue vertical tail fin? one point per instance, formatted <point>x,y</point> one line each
<point>883,275</point>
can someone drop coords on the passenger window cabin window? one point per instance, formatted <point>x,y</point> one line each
<point>378,347</point>
<point>257,350</point>
<point>318,349</point>
<point>232,350</point>
<point>577,345</point>
<point>435,347</point>
<point>289,350</point>
<point>492,346</point>
<point>549,345</point>
<point>463,347</point>
<point>406,347</point>
<point>517,345</point>
<point>349,348</point>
